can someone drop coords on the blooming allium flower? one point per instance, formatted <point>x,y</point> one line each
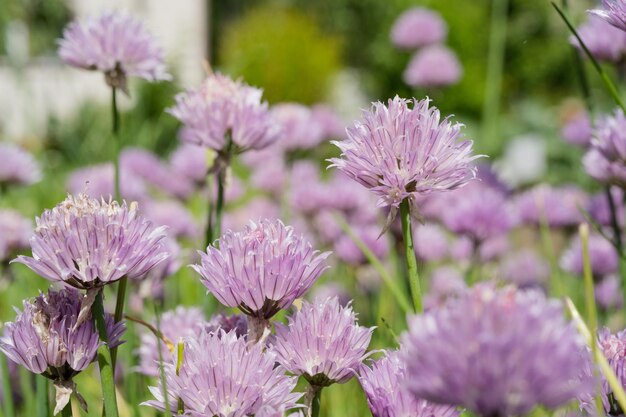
<point>178,219</point>
<point>445,282</point>
<point>383,384</point>
<point>88,243</point>
<point>432,67</point>
<point>525,269</point>
<point>222,109</point>
<point>322,342</point>
<point>116,44</point>
<point>599,207</point>
<point>614,12</point>
<point>190,162</point>
<point>606,159</point>
<point>602,256</point>
<point>418,27</point>
<point>431,242</point>
<point>400,151</point>
<point>497,352</point>
<point>47,339</point>
<point>301,129</point>
<point>224,376</point>
<point>559,207</point>
<point>578,130</point>
<point>17,167</point>
<point>15,231</point>
<point>262,269</point>
<point>608,293</point>
<point>606,43</point>
<point>331,123</point>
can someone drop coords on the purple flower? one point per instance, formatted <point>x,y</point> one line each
<point>322,342</point>
<point>262,269</point>
<point>608,293</point>
<point>115,44</point>
<point>525,269</point>
<point>418,27</point>
<point>559,207</point>
<point>599,208</point>
<point>606,159</point>
<point>383,384</point>
<point>330,290</point>
<point>578,130</point>
<point>15,231</point>
<point>431,242</point>
<point>349,252</point>
<point>17,167</point>
<point>614,12</point>
<point>258,208</point>
<point>221,109</point>
<point>47,339</point>
<point>190,162</point>
<point>400,151</point>
<point>97,181</point>
<point>224,376</point>
<point>179,221</point>
<point>606,43</point>
<point>88,243</point>
<point>300,128</point>
<point>602,256</point>
<point>328,118</point>
<point>432,67</point>
<point>495,352</point>
<point>445,282</point>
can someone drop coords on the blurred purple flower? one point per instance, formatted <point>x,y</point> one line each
<point>224,376</point>
<point>560,207</point>
<point>97,181</point>
<point>349,252</point>
<point>15,231</point>
<point>262,269</point>
<point>431,242</point>
<point>525,269</point>
<point>116,44</point>
<point>300,128</point>
<point>322,342</point>
<point>17,167</point>
<point>599,209</point>
<point>578,130</point>
<point>608,292</point>
<point>191,162</point>
<point>88,243</point>
<point>258,208</point>
<point>399,151</point>
<point>445,282</point>
<point>331,290</point>
<point>223,108</point>
<point>418,27</point>
<point>433,67</point>
<point>602,256</point>
<point>606,43</point>
<point>614,12</point>
<point>179,221</point>
<point>331,124</point>
<point>496,352</point>
<point>383,384</point>
<point>606,159</point>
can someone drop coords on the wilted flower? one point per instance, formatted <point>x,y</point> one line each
<point>432,67</point>
<point>496,352</point>
<point>224,376</point>
<point>559,207</point>
<point>262,269</point>
<point>223,110</point>
<point>605,42</point>
<point>399,151</point>
<point>602,256</point>
<point>15,231</point>
<point>525,269</point>
<point>614,12</point>
<point>606,159</point>
<point>383,384</point>
<point>47,339</point>
<point>322,342</point>
<point>418,27</point>
<point>17,167</point>
<point>116,44</point>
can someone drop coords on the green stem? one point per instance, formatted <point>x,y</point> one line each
<point>43,400</point>
<point>162,377</point>
<point>119,312</point>
<point>219,208</point>
<point>209,216</point>
<point>603,75</point>
<point>9,409</point>
<point>67,410</point>
<point>104,359</point>
<point>116,141</point>
<point>313,400</point>
<point>409,253</point>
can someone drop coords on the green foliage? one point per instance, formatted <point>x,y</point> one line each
<point>283,51</point>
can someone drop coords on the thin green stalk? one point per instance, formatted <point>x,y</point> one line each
<point>119,312</point>
<point>43,400</point>
<point>67,410</point>
<point>610,86</point>
<point>219,208</point>
<point>313,400</point>
<point>9,409</point>
<point>495,68</point>
<point>161,367</point>
<point>104,359</point>
<point>209,216</point>
<point>180,353</point>
<point>26,387</point>
<point>411,259</point>
<point>617,238</point>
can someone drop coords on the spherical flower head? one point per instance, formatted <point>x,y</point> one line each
<point>17,167</point>
<point>435,66</point>
<point>418,27</point>
<point>497,352</point>
<point>300,128</point>
<point>262,269</point>
<point>401,150</point>
<point>117,45</point>
<point>431,242</point>
<point>606,159</point>
<point>224,376</point>
<point>605,42</point>
<point>602,256</point>
<point>224,110</point>
<point>178,219</point>
<point>383,383</point>
<point>15,231</point>
<point>578,130</point>
<point>322,342</point>
<point>614,12</point>
<point>559,207</point>
<point>525,269</point>
<point>88,243</point>
<point>191,162</point>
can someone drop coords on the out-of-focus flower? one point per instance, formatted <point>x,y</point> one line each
<point>524,160</point>
<point>606,43</point>
<point>97,181</point>
<point>47,339</point>
<point>179,221</point>
<point>432,67</point>
<point>559,207</point>
<point>578,130</point>
<point>602,256</point>
<point>496,352</point>
<point>88,243</point>
<point>191,162</point>
<point>525,269</point>
<point>15,231</point>
<point>609,293</point>
<point>331,124</point>
<point>599,207</point>
<point>400,151</point>
<point>431,242</point>
<point>116,44</point>
<point>606,159</point>
<point>15,391</point>
<point>349,252</point>
<point>418,27</point>
<point>383,384</point>
<point>262,269</point>
<point>223,110</point>
<point>322,342</point>
<point>445,282</point>
<point>331,290</point>
<point>301,130</point>
<point>224,376</point>
<point>259,208</point>
<point>17,167</point>
<point>614,12</point>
